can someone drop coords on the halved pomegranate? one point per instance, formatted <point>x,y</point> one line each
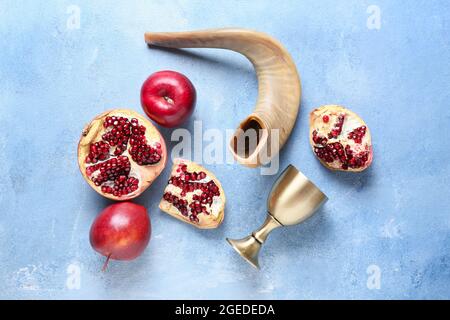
<point>194,195</point>
<point>120,153</point>
<point>340,139</point>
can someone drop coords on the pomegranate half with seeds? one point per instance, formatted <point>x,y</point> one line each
<point>120,153</point>
<point>194,195</point>
<point>340,139</point>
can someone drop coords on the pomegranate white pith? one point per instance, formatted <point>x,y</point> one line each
<point>194,195</point>
<point>120,154</point>
<point>340,139</point>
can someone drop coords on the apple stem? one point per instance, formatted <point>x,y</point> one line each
<point>168,99</point>
<point>106,263</point>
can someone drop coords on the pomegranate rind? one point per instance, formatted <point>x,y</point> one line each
<point>147,173</point>
<point>316,121</point>
<point>205,221</point>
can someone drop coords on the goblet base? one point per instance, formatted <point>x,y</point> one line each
<point>248,248</point>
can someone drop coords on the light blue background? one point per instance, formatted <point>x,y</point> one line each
<point>394,216</point>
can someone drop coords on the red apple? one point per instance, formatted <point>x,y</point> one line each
<point>168,98</point>
<point>121,231</point>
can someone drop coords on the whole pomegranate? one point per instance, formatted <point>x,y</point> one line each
<point>194,195</point>
<point>340,139</point>
<point>121,231</point>
<point>120,154</point>
<point>168,98</point>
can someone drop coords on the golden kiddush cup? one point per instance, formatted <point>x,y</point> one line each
<point>292,200</point>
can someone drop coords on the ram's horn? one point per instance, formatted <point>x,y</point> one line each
<point>278,84</point>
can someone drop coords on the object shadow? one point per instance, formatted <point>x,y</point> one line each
<point>358,181</point>
<point>100,202</point>
<point>207,58</point>
<point>290,241</point>
<point>310,232</point>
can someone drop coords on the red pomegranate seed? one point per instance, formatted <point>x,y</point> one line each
<point>109,170</point>
<point>336,131</point>
<point>357,134</point>
<point>330,152</point>
<point>186,182</point>
<point>318,139</point>
<point>326,118</point>
<point>121,132</point>
<point>98,151</point>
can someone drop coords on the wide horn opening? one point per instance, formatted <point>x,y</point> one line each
<point>248,141</point>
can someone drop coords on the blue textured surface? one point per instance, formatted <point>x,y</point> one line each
<point>394,217</point>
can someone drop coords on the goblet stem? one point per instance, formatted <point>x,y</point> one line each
<point>249,246</point>
<point>263,232</point>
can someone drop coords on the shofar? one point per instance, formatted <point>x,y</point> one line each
<point>279,88</point>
